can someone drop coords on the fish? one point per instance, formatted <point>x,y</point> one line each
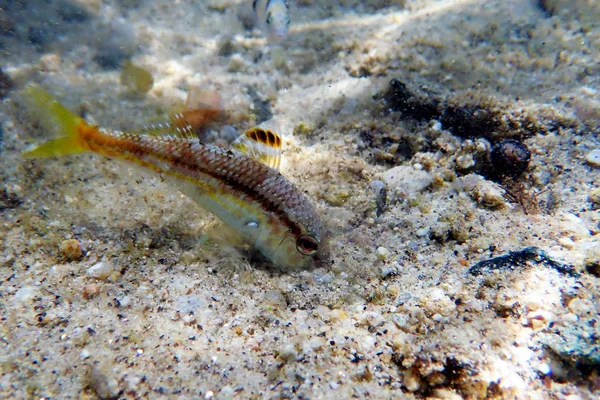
<point>273,18</point>
<point>250,196</point>
<point>201,109</point>
<point>135,78</point>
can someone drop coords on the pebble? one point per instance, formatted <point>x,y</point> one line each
<point>593,157</point>
<point>465,161</point>
<point>566,242</point>
<point>103,383</point>
<point>91,291</point>
<point>101,270</point>
<point>288,353</point>
<point>71,249</point>
<point>274,299</point>
<point>488,194</point>
<point>407,179</point>
<point>85,353</point>
<point>125,301</point>
<point>26,294</point>
<point>50,62</point>
<point>594,196</point>
<point>383,253</point>
<point>422,232</point>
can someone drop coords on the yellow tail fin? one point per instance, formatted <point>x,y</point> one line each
<point>53,116</point>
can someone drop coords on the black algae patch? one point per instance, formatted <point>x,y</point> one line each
<point>470,121</point>
<point>417,106</point>
<point>488,119</point>
<point>519,259</point>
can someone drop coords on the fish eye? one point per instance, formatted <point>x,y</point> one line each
<point>269,19</point>
<point>307,245</point>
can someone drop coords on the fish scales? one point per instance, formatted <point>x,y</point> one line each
<point>230,171</point>
<point>237,185</point>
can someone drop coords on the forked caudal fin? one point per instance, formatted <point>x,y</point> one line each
<point>56,118</point>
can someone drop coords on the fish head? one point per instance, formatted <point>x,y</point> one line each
<point>304,251</point>
<point>277,23</point>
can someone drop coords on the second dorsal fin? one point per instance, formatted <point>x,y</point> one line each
<point>168,129</point>
<point>261,144</point>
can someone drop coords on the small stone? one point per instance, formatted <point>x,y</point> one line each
<point>412,382</point>
<point>50,62</point>
<point>90,291</point>
<point>125,301</point>
<point>71,249</point>
<point>544,369</point>
<point>488,194</point>
<point>26,294</point>
<point>465,161</point>
<point>101,270</point>
<point>103,383</point>
<point>566,242</point>
<point>407,179</point>
<point>274,299</point>
<point>85,353</point>
<point>422,232</point>
<point>383,253</point>
<point>593,157</point>
<point>594,196</point>
<point>288,353</point>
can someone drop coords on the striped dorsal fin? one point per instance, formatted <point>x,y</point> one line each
<point>260,144</point>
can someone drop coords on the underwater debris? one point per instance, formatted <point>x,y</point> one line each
<point>6,84</point>
<point>593,157</point>
<point>70,249</point>
<point>136,79</point>
<point>423,379</point>
<point>510,157</point>
<point>9,200</point>
<point>520,258</point>
<point>380,189</point>
<point>593,268</point>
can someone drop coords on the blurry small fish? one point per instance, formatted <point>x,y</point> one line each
<point>135,78</point>
<point>273,17</point>
<point>201,109</point>
<point>253,198</point>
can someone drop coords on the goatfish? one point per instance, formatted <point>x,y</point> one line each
<point>240,185</point>
<point>273,18</point>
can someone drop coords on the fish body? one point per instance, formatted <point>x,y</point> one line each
<point>255,200</point>
<point>273,17</point>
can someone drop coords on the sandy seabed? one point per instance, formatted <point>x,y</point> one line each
<point>160,304</point>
